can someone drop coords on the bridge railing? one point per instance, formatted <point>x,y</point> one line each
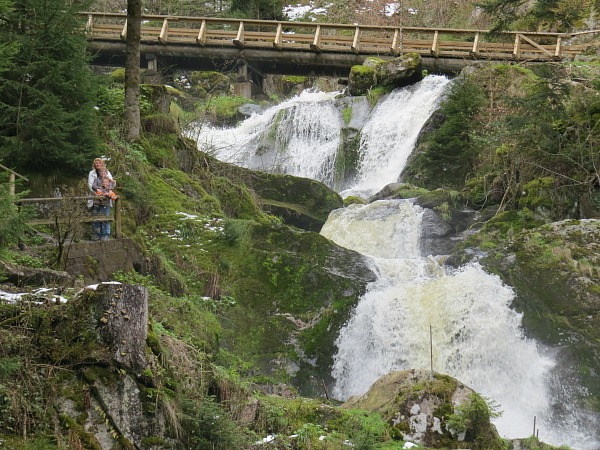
<point>330,37</point>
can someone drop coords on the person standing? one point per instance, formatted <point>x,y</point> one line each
<point>102,204</point>
<point>98,207</point>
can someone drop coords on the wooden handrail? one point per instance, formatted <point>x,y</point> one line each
<point>335,37</point>
<point>12,180</point>
<point>116,208</point>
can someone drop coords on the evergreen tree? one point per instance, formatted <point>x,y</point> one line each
<point>259,9</point>
<point>47,117</point>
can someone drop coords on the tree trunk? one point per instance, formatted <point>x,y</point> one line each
<point>122,317</point>
<point>132,70</point>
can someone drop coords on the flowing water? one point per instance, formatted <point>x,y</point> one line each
<point>464,314</point>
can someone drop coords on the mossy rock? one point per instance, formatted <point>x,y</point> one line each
<point>298,201</point>
<point>294,291</point>
<point>213,83</point>
<point>361,79</point>
<point>293,84</point>
<point>410,397</point>
<point>398,72</point>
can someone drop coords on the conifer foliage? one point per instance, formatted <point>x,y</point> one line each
<point>47,117</point>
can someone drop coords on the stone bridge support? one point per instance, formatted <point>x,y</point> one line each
<point>249,79</point>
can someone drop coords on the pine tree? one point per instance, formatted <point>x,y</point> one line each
<point>47,117</point>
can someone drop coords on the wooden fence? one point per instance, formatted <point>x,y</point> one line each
<point>331,37</point>
<point>47,211</point>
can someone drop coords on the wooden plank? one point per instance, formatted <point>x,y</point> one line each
<point>201,38</point>
<point>316,44</point>
<point>163,37</point>
<point>278,43</point>
<point>355,47</point>
<point>239,39</point>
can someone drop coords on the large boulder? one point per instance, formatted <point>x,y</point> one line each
<point>300,202</point>
<point>398,72</point>
<point>431,409</point>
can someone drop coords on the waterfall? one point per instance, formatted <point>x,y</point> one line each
<point>476,336</point>
<point>388,137</point>
<point>298,137</point>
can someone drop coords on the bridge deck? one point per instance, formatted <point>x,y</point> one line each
<point>173,32</point>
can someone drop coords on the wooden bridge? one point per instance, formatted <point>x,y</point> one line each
<point>301,48</point>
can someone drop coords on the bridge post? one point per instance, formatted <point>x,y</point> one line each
<point>152,62</point>
<point>243,87</point>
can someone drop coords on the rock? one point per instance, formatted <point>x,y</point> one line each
<point>399,72</point>
<point>361,79</point>
<point>29,276</point>
<point>423,407</point>
<point>250,108</point>
<point>97,261</point>
<point>211,83</point>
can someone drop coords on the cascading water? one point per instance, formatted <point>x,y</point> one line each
<point>298,137</point>
<point>476,336</point>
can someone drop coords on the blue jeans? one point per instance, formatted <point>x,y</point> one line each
<point>101,230</point>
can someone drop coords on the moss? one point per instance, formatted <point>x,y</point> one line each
<point>377,92</point>
<point>294,79</point>
<point>79,436</point>
<point>347,114</point>
<point>362,78</point>
<point>352,199</point>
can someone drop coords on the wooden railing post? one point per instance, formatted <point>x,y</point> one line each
<point>163,37</point>
<point>355,43</point>
<point>201,39</point>
<point>316,45</point>
<point>558,51</point>
<point>278,43</point>
<point>239,40</point>
<point>118,233</point>
<point>475,50</point>
<point>517,47</point>
<point>435,50</point>
<point>124,32</point>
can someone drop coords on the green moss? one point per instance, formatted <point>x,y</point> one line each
<point>294,79</point>
<point>351,200</point>
<point>347,114</point>
<point>375,93</point>
<point>362,78</point>
<point>85,439</point>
